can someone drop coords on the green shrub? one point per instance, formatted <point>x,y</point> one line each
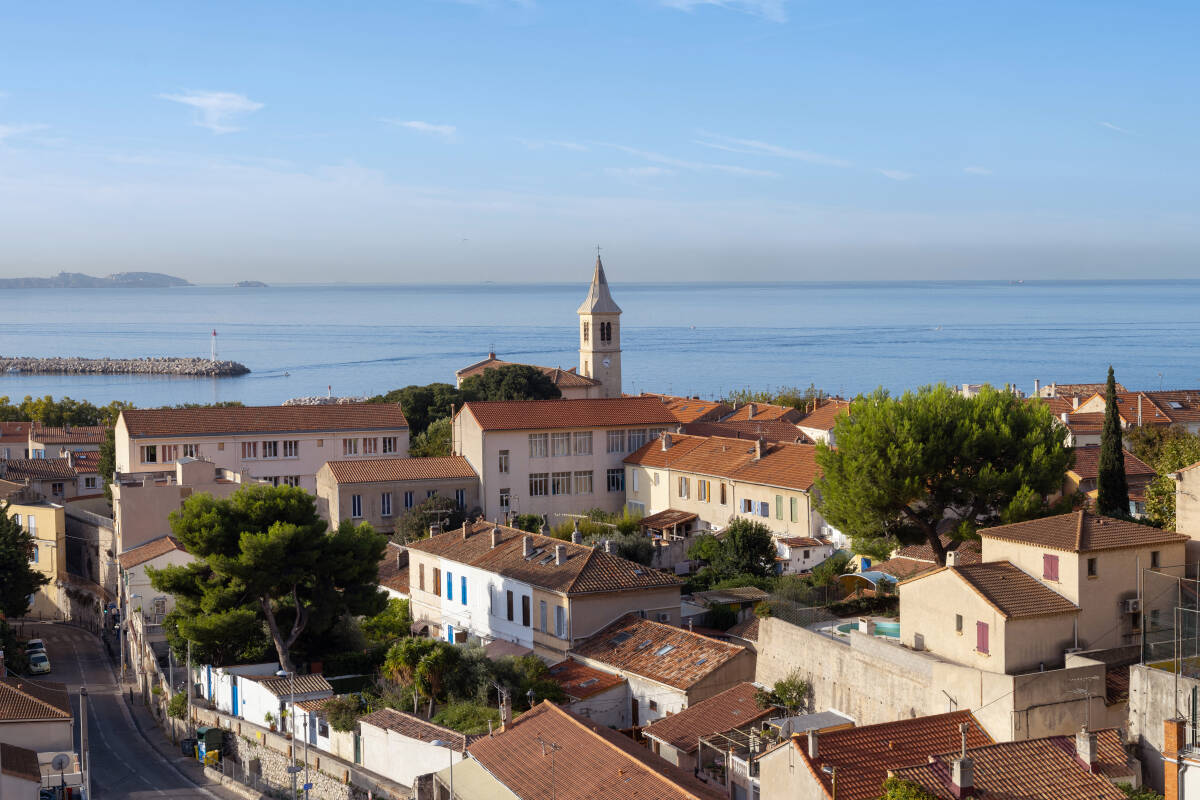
<point>177,708</point>
<point>468,718</point>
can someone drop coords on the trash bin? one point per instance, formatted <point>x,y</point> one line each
<point>187,747</point>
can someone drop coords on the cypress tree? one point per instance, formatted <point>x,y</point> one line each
<point>1113,495</point>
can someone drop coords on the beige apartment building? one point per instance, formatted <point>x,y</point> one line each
<point>47,524</point>
<point>555,457</point>
<point>720,479</point>
<point>278,444</point>
<point>380,491</point>
<point>52,442</point>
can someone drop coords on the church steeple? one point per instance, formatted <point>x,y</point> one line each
<point>598,300</point>
<point>600,335</point>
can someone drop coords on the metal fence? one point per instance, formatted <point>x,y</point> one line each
<point>1168,611</point>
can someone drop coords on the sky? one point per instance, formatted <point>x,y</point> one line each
<point>693,140</point>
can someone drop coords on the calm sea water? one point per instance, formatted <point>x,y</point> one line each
<point>702,339</point>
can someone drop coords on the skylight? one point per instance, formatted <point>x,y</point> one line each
<point>644,645</point>
<point>666,648</point>
<point>1175,404</point>
<point>701,661</point>
<point>621,638</point>
<point>589,682</point>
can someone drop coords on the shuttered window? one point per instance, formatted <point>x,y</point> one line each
<point>981,637</point>
<point>1050,567</point>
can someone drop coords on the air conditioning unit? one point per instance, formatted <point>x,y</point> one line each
<point>1132,605</point>
<point>664,617</point>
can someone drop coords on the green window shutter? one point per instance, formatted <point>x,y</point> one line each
<point>795,510</point>
<point>778,506</point>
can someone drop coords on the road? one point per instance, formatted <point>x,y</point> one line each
<point>124,765</point>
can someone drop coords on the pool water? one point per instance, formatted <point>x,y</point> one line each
<point>888,629</point>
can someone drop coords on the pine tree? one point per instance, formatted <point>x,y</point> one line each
<point>1113,496</point>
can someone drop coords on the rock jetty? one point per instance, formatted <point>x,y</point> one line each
<point>194,367</point>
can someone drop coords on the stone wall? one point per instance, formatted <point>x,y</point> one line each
<point>1156,695</point>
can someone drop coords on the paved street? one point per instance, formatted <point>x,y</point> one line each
<point>124,763</point>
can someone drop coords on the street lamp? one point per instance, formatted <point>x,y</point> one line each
<point>292,768</point>
<point>450,749</point>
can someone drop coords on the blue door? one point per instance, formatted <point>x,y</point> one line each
<point>235,709</point>
<point>450,634</point>
<point>210,694</point>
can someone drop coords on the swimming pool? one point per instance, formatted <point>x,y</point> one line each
<point>888,629</point>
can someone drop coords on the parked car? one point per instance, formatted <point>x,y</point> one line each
<point>39,663</point>
<point>34,646</point>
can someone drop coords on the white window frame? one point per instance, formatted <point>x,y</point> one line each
<point>385,504</point>
<point>356,508</point>
<point>583,481</point>
<point>539,445</point>
<point>616,441</point>
<point>291,448</point>
<point>349,447</point>
<point>581,443</point>
<point>390,445</point>
<point>560,444</point>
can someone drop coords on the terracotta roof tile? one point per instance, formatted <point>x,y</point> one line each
<point>177,422</point>
<point>801,541</point>
<point>149,551</point>
<point>826,417</point>
<point>723,712</point>
<point>1087,464</point>
<point>580,681</point>
<point>667,519</point>
<point>773,430</point>
<point>563,378</point>
<point>14,433</point>
<point>746,629</point>
<point>20,763</point>
<point>970,551</point>
<point>1012,592</point>
<point>763,411</point>
<point>393,568</point>
<point>585,570</point>
<point>1079,389</point>
<point>415,728</point>
<point>691,409</point>
<point>400,469</point>
<point>1034,768</point>
<point>790,466</point>
<point>656,651</point>
<point>37,469</point>
<point>24,700</point>
<point>86,462</point>
<point>1081,532</point>
<point>864,755</point>
<point>737,594</point>
<point>282,686</point>
<point>902,568</point>
<point>75,434</point>
<point>513,415</point>
<point>588,762</point>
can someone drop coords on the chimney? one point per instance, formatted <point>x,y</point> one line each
<point>1037,387</point>
<point>576,536</point>
<point>402,558</point>
<point>608,545</point>
<point>464,530</point>
<point>759,446</point>
<point>527,546</point>
<point>962,769</point>
<point>560,555</point>
<point>435,529</point>
<point>1139,410</point>
<point>496,536</point>
<point>506,714</point>
<point>545,531</point>
<point>750,411</point>
<point>952,558</point>
<point>1064,416</point>
<point>1075,402</point>
<point>813,748</point>
<point>666,441</point>
<point>1085,748</point>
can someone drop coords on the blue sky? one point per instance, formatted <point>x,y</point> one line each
<point>430,140</point>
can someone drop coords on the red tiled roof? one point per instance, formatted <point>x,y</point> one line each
<point>585,570</point>
<point>763,411</point>
<point>970,551</point>
<point>22,700</point>
<point>668,518</point>
<point>656,651</point>
<point>746,629</point>
<point>14,433</point>
<point>282,686</point>
<point>723,712</point>
<point>415,728</point>
<point>863,756</point>
<point>20,763</point>
<point>826,417</point>
<point>789,466</point>
<point>514,415</point>
<point>149,551</point>
<point>563,378</point>
<point>80,434</point>
<point>375,470</point>
<point>1087,464</point>
<point>801,541</point>
<point>177,422</point>
<point>691,409</point>
<point>86,462</point>
<point>902,568</point>
<point>37,469</point>
<point>580,681</point>
<point>391,574</point>
<point>1083,531</point>
<point>772,430</point>
<point>1033,768</point>
<point>588,762</point>
<point>1012,592</point>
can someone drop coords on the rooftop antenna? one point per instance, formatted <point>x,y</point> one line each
<point>214,345</point>
<point>554,748</point>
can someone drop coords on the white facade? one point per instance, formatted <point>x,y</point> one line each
<point>802,557</point>
<point>402,758</point>
<point>485,612</point>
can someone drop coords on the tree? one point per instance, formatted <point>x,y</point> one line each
<point>18,579</point>
<point>107,463</point>
<point>633,547</point>
<point>510,382</point>
<point>265,557</point>
<point>900,789</point>
<point>1174,453</point>
<point>1112,497</point>
<point>436,440</point>
<point>790,693</point>
<point>528,522</point>
<point>394,622</point>
<point>417,520</point>
<point>828,571</point>
<point>903,465</point>
<point>745,547</point>
<point>423,404</point>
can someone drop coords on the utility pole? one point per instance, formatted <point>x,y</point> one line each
<point>83,742</point>
<point>188,688</point>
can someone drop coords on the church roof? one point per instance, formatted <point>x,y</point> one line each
<point>598,300</point>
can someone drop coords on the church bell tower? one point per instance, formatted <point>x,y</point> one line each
<point>600,335</point>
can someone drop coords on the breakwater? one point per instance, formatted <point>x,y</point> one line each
<point>186,367</point>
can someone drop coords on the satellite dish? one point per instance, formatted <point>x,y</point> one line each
<point>61,762</point>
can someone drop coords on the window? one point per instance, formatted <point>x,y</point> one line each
<point>271,479</point>
<point>249,449</point>
<point>583,482</point>
<point>430,493</point>
<point>150,454</point>
<point>981,637</point>
<point>539,445</point>
<point>191,451</point>
<point>525,610</point>
<point>616,480</point>
<point>322,728</point>
<point>560,444</point>
<point>724,501</point>
<point>958,623</point>
<point>587,330</point>
<point>356,506</point>
<point>56,489</point>
<point>33,554</point>
<point>221,446</point>
<point>703,493</point>
<point>1154,559</point>
<point>437,581</point>
<point>168,452</point>
<point>1091,567</point>
<point>31,525</point>
<point>506,499</point>
<point>462,586</point>
<point>539,484</point>
<point>807,555</point>
<point>389,444</point>
<point>320,443</point>
<point>349,447</point>
<point>685,487</point>
<point>795,504</point>
<point>460,498</point>
<point>371,446</point>
<point>89,482</point>
<point>1050,567</point>
<point>504,461</point>
<point>542,616</point>
<point>778,506</point>
<point>449,585</point>
<point>581,442</point>
<point>636,439</point>
<point>421,576</point>
<point>560,483</point>
<point>654,705</point>
<point>270,449</point>
<point>560,622</point>
<point>385,504</point>
<point>509,601</point>
<point>764,509</point>
<point>616,441</point>
<point>291,480</point>
<point>746,506</point>
<point>635,474</point>
<point>408,500</point>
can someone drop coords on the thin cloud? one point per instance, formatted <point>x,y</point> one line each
<point>895,174</point>
<point>772,10</point>
<point>977,170</point>
<point>8,131</point>
<point>539,144</point>
<point>1112,127</point>
<point>693,166</point>
<point>445,131</point>
<point>638,172</point>
<point>756,147</point>
<point>215,110</point>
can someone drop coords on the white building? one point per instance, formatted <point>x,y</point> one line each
<point>401,747</point>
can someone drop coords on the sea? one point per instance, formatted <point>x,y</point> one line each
<point>702,339</point>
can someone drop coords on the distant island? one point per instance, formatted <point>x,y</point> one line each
<point>77,280</point>
<point>250,285</point>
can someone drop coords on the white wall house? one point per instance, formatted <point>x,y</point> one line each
<point>260,695</point>
<point>401,747</point>
<point>799,554</point>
